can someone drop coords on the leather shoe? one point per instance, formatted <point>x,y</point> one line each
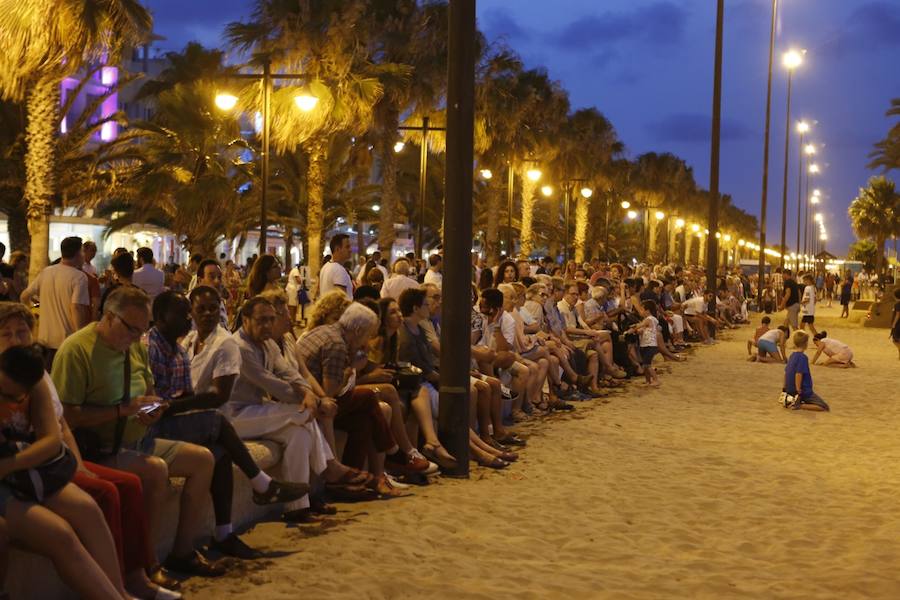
<point>281,491</point>
<point>162,579</point>
<point>235,546</point>
<point>194,564</point>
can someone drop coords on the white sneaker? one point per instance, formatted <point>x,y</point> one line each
<point>432,468</point>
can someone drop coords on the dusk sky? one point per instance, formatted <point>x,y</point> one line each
<point>647,65</point>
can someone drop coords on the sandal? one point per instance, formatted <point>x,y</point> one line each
<point>512,439</point>
<point>431,453</point>
<point>319,507</point>
<point>353,477</point>
<point>494,463</point>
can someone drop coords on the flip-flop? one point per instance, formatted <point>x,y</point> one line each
<point>512,440</point>
<point>494,463</point>
<point>353,477</point>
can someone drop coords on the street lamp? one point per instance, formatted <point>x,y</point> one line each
<point>547,190</point>
<point>586,192</point>
<point>227,101</point>
<point>398,147</point>
<point>632,214</point>
<point>425,128</point>
<point>486,174</point>
<point>533,174</point>
<point>802,129</point>
<point>626,204</point>
<point>660,215</point>
<point>791,61</point>
<point>679,223</point>
<point>765,173</point>
<point>810,170</point>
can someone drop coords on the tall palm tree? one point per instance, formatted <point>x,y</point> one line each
<point>327,42</point>
<point>414,35</point>
<point>44,41</point>
<point>875,214</point>
<point>664,182</point>
<point>886,154</point>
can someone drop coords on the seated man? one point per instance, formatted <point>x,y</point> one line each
<point>191,417</point>
<point>270,400</point>
<point>331,353</point>
<point>114,420</point>
<point>695,312</point>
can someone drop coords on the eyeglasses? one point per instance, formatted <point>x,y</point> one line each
<point>135,331</point>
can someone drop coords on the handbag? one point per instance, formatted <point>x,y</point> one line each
<point>90,444</point>
<point>407,377</point>
<point>38,483</point>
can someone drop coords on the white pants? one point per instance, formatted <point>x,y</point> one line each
<point>305,447</point>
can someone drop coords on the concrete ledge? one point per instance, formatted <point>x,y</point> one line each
<point>31,576</point>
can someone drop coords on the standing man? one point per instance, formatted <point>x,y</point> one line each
<point>89,249</point>
<point>147,276</point>
<point>62,290</point>
<point>333,275</point>
<point>790,300</point>
<point>433,274</point>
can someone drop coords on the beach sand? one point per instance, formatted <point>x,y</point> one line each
<point>703,488</point>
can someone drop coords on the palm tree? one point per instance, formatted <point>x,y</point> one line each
<point>44,41</point>
<point>875,214</point>
<point>666,183</point>
<point>887,152</point>
<point>414,35</point>
<point>327,42</point>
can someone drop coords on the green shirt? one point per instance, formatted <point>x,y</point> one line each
<point>88,371</point>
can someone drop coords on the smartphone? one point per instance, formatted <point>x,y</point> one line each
<point>149,409</point>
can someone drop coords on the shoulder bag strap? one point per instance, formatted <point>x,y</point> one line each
<point>126,400</point>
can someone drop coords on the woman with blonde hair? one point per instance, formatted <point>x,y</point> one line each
<point>327,309</point>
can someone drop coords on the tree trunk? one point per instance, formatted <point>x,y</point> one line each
<point>526,233</point>
<point>40,168</point>
<point>492,231</point>
<point>581,219</point>
<point>879,254</point>
<point>702,252</point>
<point>17,224</point>
<point>288,244</point>
<point>653,228</point>
<point>673,243</point>
<point>688,242</point>
<point>389,198</point>
<point>315,212</point>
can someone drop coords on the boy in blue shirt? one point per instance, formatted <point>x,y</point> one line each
<point>798,380</point>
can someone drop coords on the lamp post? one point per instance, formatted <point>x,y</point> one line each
<point>425,128</point>
<point>712,253</point>
<point>791,60</point>
<point>305,102</point>
<point>765,177</point>
<point>802,128</point>
<point>453,419</point>
<point>814,199</point>
<point>586,193</point>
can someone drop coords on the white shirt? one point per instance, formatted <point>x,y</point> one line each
<point>219,357</point>
<point>809,296</point>
<point>833,346</point>
<point>773,335</point>
<point>569,315</point>
<point>89,269</point>
<point>507,325</point>
<point>333,275</point>
<point>395,285</point>
<point>694,306</point>
<point>150,279</point>
<point>648,334</point>
<point>435,277</point>
<point>57,288</point>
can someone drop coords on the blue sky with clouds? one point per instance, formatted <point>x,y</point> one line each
<point>647,64</point>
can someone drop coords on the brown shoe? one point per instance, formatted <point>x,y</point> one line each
<point>195,564</point>
<point>159,576</point>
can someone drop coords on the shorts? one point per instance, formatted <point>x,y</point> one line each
<point>808,319</point>
<point>767,346</point>
<point>158,447</point>
<point>793,311</point>
<point>647,354</point>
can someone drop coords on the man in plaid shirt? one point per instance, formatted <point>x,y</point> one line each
<point>778,282</point>
<point>193,418</point>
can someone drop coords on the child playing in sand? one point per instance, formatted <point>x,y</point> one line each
<point>798,380</point>
<point>770,346</point>
<point>808,304</point>
<point>759,331</point>
<point>649,344</point>
<point>839,354</point>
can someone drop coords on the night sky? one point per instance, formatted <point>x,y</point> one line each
<point>648,66</point>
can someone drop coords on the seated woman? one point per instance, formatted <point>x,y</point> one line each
<point>383,351</point>
<point>839,354</point>
<point>415,349</point>
<point>119,494</point>
<point>67,527</point>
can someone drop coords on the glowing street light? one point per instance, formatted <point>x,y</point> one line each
<point>814,168</point>
<point>547,190</point>
<point>626,204</point>
<point>817,192</point>
<point>695,228</point>
<point>802,127</point>
<point>486,174</point>
<point>376,207</point>
<point>306,102</point>
<point>226,101</point>
<point>809,149</point>
<point>814,200</point>
<point>679,222</point>
<point>742,243</point>
<point>632,214</point>
<point>727,237</point>
<point>792,59</point>
<point>533,174</point>
<point>586,192</point>
<point>660,215</point>
<point>399,146</point>
<point>818,217</point>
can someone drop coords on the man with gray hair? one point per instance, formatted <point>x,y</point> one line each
<point>332,354</point>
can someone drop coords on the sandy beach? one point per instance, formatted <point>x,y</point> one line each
<point>703,488</point>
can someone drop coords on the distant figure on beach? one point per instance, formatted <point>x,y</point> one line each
<point>808,304</point>
<point>895,324</point>
<point>846,291</point>
<point>798,379</point>
<point>839,354</point>
<point>763,328</point>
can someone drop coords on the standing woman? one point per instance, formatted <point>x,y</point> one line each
<point>846,290</point>
<point>264,275</point>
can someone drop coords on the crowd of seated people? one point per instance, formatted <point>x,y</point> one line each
<point>172,382</point>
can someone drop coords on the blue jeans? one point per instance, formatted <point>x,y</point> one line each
<point>813,398</point>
